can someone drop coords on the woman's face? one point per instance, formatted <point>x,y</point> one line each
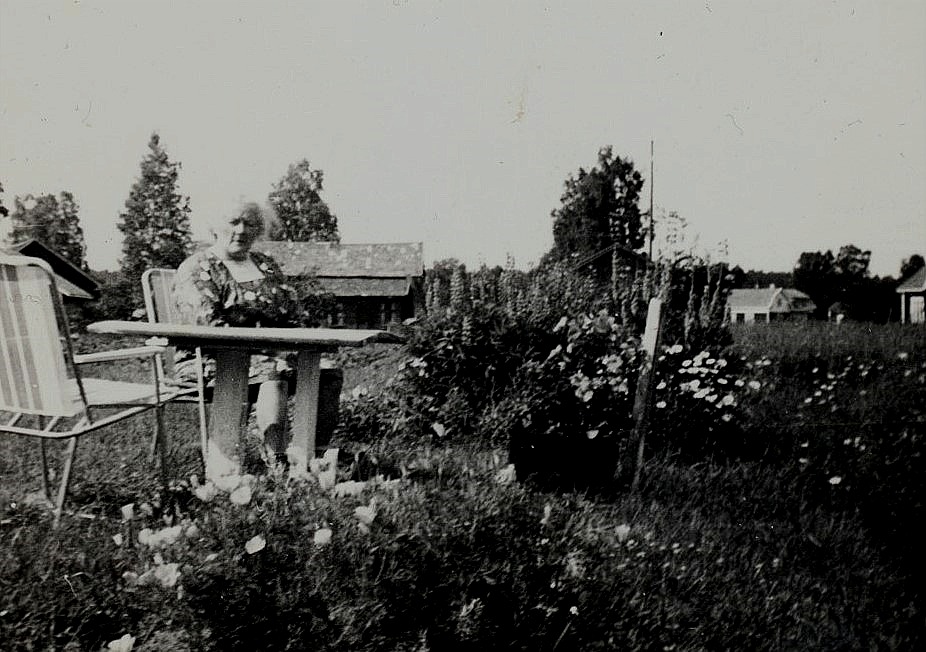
<point>238,234</point>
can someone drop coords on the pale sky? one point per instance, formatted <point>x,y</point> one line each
<point>779,127</point>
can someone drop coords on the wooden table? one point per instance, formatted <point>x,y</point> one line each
<point>232,348</point>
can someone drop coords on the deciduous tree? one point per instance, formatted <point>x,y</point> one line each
<point>3,210</point>
<point>599,209</point>
<point>54,221</point>
<point>304,215</point>
<point>911,265</point>
<point>156,222</point>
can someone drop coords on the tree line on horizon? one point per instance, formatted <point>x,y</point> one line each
<point>155,222</point>
<point>598,230</point>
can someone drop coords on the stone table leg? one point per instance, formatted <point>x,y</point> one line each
<point>305,414</point>
<point>229,413</point>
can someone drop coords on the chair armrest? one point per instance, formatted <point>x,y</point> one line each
<point>120,354</point>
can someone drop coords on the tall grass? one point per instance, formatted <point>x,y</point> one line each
<point>790,340</point>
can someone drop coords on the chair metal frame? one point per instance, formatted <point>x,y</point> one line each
<point>41,378</point>
<point>156,285</point>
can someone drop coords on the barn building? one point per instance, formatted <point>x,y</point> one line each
<point>912,291</point>
<point>374,284</point>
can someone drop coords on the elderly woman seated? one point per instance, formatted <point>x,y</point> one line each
<point>228,284</point>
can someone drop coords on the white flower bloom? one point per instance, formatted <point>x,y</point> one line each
<point>167,574</point>
<point>622,531</point>
<point>506,475</point>
<point>755,384</point>
<point>322,537</point>
<point>241,495</point>
<point>117,539</point>
<point>835,480</point>
<point>349,488</point>
<point>547,512</point>
<point>365,514</point>
<point>255,544</point>
<point>124,644</point>
<point>128,512</point>
<point>205,492</point>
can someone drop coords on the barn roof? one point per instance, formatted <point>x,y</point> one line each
<point>330,259</point>
<point>916,282</point>
<point>72,281</point>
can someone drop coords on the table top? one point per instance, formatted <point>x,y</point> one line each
<point>239,337</point>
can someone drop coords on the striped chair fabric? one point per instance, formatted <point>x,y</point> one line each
<point>43,392</point>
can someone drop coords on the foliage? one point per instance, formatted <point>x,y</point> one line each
<point>118,297</point>
<point>599,209</point>
<point>155,223</point>
<point>911,265</point>
<point>54,221</point>
<point>451,554</point>
<point>844,278</point>
<point>539,362</point>
<point>759,279</point>
<point>811,545</point>
<point>3,209</point>
<point>303,214</point>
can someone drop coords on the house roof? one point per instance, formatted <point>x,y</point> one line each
<point>770,299</point>
<point>72,281</point>
<point>330,259</point>
<point>916,282</point>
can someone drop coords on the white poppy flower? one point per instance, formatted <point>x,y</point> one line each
<point>255,544</point>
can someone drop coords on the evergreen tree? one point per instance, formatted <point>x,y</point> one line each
<point>156,222</point>
<point>70,242</point>
<point>304,215</point>
<point>599,209</point>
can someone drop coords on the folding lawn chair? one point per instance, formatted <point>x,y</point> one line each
<point>156,285</point>
<point>43,392</point>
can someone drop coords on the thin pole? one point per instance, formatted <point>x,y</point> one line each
<point>652,216</point>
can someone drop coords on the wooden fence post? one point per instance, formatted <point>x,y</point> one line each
<point>642,403</point>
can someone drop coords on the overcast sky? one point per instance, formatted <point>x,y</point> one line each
<point>779,127</point>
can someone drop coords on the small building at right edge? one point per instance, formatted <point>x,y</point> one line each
<point>761,305</point>
<point>912,291</point>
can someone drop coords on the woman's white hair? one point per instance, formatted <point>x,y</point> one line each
<point>266,212</point>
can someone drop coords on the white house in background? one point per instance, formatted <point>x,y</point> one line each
<point>768,304</point>
<point>912,293</point>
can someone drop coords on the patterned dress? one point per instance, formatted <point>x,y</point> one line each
<point>206,293</point>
